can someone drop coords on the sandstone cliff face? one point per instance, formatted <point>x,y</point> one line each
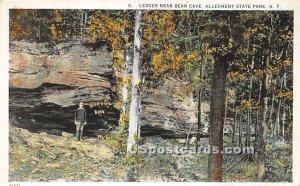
<point>47,82</point>
<point>170,106</point>
<point>88,75</point>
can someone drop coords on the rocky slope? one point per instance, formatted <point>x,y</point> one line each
<point>50,157</point>
<point>46,157</point>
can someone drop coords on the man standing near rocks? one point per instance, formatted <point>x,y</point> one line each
<point>80,121</point>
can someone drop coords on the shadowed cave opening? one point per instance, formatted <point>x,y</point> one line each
<point>28,109</point>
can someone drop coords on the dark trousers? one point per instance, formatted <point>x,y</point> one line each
<point>79,129</point>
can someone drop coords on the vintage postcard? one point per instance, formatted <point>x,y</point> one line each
<point>139,91</point>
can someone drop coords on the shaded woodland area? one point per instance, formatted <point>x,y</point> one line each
<point>240,63</point>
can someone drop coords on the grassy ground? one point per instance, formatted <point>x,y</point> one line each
<point>47,157</point>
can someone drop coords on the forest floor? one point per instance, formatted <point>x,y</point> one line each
<point>48,157</point>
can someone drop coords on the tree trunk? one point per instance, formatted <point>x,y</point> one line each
<point>262,141</point>
<point>247,142</point>
<point>84,26</point>
<point>40,25</point>
<point>199,107</point>
<point>248,135</point>
<point>226,105</point>
<point>134,113</point>
<point>234,126</point>
<point>262,127</point>
<point>277,123</point>
<point>270,120</point>
<point>283,121</point>
<point>202,68</point>
<point>240,130</point>
<point>217,115</point>
<point>136,82</point>
<point>278,117</point>
<point>257,118</point>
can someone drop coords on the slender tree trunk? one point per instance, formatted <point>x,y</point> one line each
<point>249,113</point>
<point>217,115</point>
<point>262,127</point>
<point>257,119</point>
<point>40,25</point>
<point>226,105</point>
<point>289,122</point>
<point>283,121</point>
<point>136,82</point>
<point>278,117</point>
<point>234,126</point>
<point>277,124</point>
<point>247,142</point>
<point>270,120</point>
<point>262,141</point>
<point>84,25</point>
<point>240,130</point>
<point>188,136</point>
<point>134,113</point>
<point>63,24</point>
<point>199,107</point>
<point>202,67</point>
